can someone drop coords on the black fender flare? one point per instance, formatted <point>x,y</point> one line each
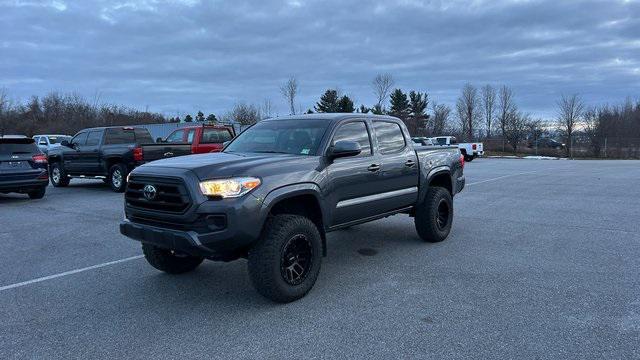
<point>425,181</point>
<point>289,191</point>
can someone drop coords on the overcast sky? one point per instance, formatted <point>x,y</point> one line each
<point>186,55</point>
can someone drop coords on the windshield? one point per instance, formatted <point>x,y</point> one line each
<point>58,139</point>
<point>298,137</point>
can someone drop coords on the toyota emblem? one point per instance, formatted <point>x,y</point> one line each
<point>150,192</point>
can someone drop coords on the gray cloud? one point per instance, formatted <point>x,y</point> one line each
<point>185,55</point>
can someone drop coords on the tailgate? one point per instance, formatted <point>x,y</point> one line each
<point>153,152</point>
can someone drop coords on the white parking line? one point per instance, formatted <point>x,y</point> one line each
<point>71,272</point>
<point>502,177</point>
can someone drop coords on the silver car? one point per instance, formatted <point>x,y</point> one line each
<point>48,142</point>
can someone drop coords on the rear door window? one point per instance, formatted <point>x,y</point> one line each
<point>389,136</point>
<point>215,136</point>
<point>119,136</point>
<point>143,136</point>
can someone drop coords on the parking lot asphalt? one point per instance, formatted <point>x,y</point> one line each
<point>543,262</point>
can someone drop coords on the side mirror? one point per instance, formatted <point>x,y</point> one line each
<point>344,148</point>
<point>65,143</point>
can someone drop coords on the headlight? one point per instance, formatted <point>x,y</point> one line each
<point>229,188</point>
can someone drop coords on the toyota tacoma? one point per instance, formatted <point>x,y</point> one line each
<point>275,192</point>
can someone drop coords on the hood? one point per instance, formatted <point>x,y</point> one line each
<point>220,165</point>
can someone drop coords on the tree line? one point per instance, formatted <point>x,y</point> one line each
<point>487,113</point>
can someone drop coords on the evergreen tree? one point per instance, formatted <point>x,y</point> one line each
<point>177,119</point>
<point>212,119</point>
<point>309,111</point>
<point>329,102</point>
<point>363,109</point>
<point>418,117</point>
<point>399,105</point>
<point>188,118</point>
<point>345,105</point>
<point>200,116</point>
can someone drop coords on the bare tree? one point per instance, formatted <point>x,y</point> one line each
<point>382,85</point>
<point>506,108</point>
<point>467,107</point>
<point>289,91</point>
<point>516,129</point>
<point>593,129</point>
<point>267,109</point>
<point>570,111</point>
<point>245,114</point>
<point>488,108</point>
<point>3,108</point>
<point>441,114</point>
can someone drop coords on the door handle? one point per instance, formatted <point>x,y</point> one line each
<point>409,163</point>
<point>373,167</point>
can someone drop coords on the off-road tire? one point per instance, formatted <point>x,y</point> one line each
<point>57,175</point>
<point>267,258</point>
<point>117,179</point>
<point>169,261</point>
<point>429,216</point>
<point>37,194</point>
<point>468,158</point>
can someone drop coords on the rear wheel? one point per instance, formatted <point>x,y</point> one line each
<point>118,177</point>
<point>37,194</point>
<point>434,215</point>
<point>170,261</point>
<point>468,158</point>
<point>57,175</point>
<point>285,263</point>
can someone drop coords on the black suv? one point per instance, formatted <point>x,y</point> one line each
<point>23,167</point>
<point>107,153</point>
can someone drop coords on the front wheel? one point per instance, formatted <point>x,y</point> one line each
<point>169,261</point>
<point>57,175</point>
<point>285,262</point>
<point>118,177</point>
<point>434,215</point>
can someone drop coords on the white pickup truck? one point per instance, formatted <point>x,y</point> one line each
<point>469,150</point>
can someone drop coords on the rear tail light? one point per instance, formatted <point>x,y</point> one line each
<point>462,161</point>
<point>39,158</point>
<point>138,154</point>
<point>474,146</point>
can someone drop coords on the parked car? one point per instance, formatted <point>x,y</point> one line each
<point>424,141</point>
<point>189,140</point>
<point>23,167</point>
<point>107,153</point>
<point>470,151</point>
<point>48,142</point>
<point>546,143</point>
<point>279,187</point>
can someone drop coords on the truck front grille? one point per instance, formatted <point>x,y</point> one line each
<point>171,195</point>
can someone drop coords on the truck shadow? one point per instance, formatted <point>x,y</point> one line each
<point>227,285</point>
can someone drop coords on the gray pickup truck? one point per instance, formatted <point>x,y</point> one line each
<point>278,188</point>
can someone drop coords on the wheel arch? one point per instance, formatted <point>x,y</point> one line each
<point>440,176</point>
<point>298,199</point>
